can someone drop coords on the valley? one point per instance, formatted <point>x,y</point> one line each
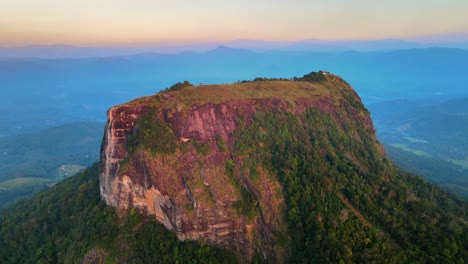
<point>32,162</point>
<point>427,138</point>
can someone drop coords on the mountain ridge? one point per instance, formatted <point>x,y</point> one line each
<point>318,45</point>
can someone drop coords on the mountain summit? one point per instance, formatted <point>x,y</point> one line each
<point>274,168</point>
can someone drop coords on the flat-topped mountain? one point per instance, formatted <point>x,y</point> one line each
<point>264,167</point>
<point>269,170</point>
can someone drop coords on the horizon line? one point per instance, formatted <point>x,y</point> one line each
<point>456,37</point>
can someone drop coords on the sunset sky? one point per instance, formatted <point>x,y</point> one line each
<point>107,22</point>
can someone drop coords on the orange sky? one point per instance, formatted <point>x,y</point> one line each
<point>98,22</point>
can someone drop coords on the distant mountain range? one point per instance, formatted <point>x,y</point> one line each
<point>311,45</point>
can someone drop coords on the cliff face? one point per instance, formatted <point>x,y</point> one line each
<point>173,155</point>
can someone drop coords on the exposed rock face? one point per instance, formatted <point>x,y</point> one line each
<point>119,125</point>
<point>188,192</point>
<point>196,189</point>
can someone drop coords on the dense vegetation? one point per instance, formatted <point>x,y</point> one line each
<point>15,190</point>
<point>69,221</point>
<point>178,86</point>
<point>345,201</point>
<point>314,77</point>
<point>153,135</point>
<point>445,174</point>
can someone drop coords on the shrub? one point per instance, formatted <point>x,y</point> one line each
<point>152,134</point>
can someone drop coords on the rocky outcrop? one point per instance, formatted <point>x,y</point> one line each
<point>189,192</point>
<point>120,122</point>
<point>198,189</point>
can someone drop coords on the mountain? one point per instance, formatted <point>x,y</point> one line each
<point>269,170</point>
<point>61,51</point>
<point>352,45</point>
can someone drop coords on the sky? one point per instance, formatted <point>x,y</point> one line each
<point>108,22</point>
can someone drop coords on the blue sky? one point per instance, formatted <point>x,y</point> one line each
<point>98,22</point>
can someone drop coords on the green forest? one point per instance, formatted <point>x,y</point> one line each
<point>69,223</point>
<point>346,202</point>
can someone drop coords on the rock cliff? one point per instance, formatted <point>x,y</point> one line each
<point>271,171</point>
<point>173,155</point>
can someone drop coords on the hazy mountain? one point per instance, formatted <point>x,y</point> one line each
<point>61,51</point>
